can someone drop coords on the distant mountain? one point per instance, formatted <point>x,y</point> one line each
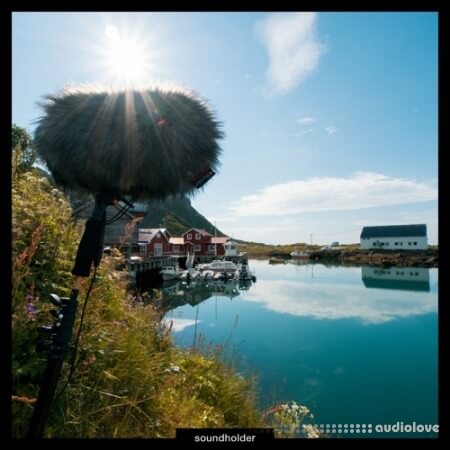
<point>177,215</point>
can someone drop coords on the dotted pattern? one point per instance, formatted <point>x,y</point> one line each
<point>344,428</point>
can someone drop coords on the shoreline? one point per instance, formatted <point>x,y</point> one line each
<point>354,256</point>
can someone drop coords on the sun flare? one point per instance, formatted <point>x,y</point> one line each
<point>127,58</point>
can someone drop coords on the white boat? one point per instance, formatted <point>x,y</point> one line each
<point>300,255</point>
<point>190,274</point>
<point>219,266</point>
<point>207,274</point>
<point>170,272</point>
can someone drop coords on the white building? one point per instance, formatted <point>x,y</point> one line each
<point>404,278</point>
<point>395,237</point>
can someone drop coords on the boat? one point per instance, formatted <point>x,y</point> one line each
<point>274,260</point>
<point>300,255</point>
<point>190,274</point>
<point>207,275</point>
<point>243,273</point>
<point>219,266</point>
<point>170,272</point>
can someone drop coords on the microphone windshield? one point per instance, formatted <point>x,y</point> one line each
<point>153,143</point>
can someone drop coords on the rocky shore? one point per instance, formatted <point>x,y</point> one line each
<point>424,258</point>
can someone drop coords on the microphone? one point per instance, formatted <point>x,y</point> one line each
<point>149,143</point>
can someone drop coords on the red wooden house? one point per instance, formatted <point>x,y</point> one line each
<point>202,243</point>
<point>155,242</point>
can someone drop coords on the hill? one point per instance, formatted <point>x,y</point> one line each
<point>177,215</point>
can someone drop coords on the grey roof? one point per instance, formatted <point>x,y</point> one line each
<point>394,231</point>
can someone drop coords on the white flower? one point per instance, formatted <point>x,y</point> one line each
<point>174,367</point>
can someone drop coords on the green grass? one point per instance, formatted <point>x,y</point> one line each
<point>130,378</point>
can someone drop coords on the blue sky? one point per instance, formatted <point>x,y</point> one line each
<point>330,118</point>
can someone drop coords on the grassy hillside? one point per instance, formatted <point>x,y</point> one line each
<point>130,379</point>
<point>177,215</point>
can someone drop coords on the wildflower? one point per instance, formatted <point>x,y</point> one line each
<point>31,309</point>
<point>172,368</point>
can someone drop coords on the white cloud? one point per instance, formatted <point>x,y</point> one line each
<point>179,324</point>
<point>293,50</point>
<point>343,301</point>
<point>360,190</point>
<point>307,119</point>
<point>331,129</point>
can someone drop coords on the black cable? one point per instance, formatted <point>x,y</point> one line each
<point>77,340</point>
<point>128,205</point>
<point>124,209</point>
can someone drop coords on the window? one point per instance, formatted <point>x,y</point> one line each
<point>211,247</point>
<point>401,243</point>
<point>409,243</point>
<point>415,243</point>
<point>143,249</point>
<point>189,236</point>
<point>386,243</point>
<point>176,248</point>
<point>395,243</point>
<point>198,236</point>
<point>158,249</point>
<point>197,248</point>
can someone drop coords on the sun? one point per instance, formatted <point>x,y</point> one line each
<point>127,57</point>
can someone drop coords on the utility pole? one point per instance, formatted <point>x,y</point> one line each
<point>215,235</point>
<point>311,238</point>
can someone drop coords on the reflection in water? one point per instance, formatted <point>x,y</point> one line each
<point>403,278</point>
<point>351,354</point>
<point>327,295</point>
<point>175,294</point>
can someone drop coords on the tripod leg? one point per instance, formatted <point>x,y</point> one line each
<point>55,360</point>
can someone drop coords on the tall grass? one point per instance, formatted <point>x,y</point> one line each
<point>129,378</point>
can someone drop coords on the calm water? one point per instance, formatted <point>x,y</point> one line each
<point>356,345</point>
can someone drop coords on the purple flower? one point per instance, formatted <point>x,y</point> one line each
<point>31,309</point>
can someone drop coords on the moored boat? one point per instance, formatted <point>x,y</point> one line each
<point>170,272</point>
<point>300,255</point>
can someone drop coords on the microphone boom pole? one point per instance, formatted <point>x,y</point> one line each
<point>152,143</point>
<point>89,252</point>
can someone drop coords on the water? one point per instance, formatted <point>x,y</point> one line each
<point>356,345</point>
